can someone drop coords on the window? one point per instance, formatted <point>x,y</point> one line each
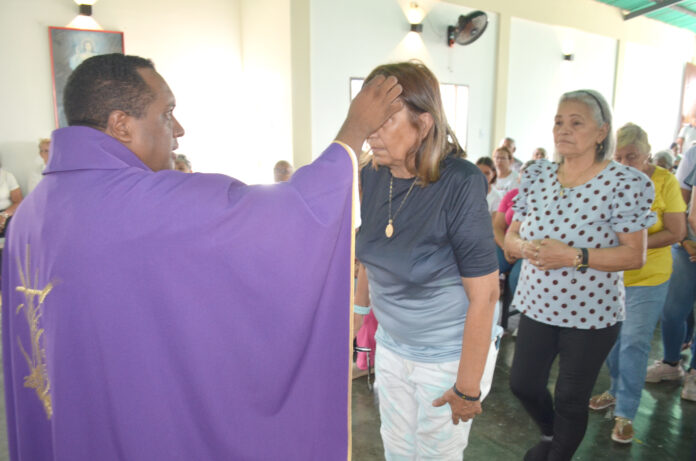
<point>455,101</point>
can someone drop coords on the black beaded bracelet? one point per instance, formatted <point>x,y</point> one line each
<point>464,396</point>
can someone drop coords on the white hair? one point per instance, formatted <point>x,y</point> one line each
<point>667,156</point>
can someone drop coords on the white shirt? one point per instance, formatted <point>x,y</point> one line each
<point>503,185</point>
<point>35,178</point>
<point>687,132</point>
<point>686,165</point>
<point>493,199</point>
<point>8,183</point>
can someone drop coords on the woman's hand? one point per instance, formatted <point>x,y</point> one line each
<point>510,258</point>
<point>550,254</point>
<point>462,410</point>
<point>529,248</point>
<point>690,247</point>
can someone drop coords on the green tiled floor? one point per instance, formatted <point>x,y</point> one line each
<point>665,425</point>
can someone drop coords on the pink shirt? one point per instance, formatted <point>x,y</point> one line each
<point>505,206</point>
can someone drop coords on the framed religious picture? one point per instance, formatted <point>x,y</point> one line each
<point>69,47</point>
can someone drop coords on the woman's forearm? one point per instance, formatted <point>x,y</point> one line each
<point>476,338</point>
<point>554,254</point>
<point>499,229</point>
<point>664,238</point>
<point>362,292</point>
<point>514,244</point>
<point>614,259</point>
<point>673,231</point>
<point>11,209</point>
<point>361,298</point>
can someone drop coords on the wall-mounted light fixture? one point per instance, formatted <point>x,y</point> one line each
<point>415,17</point>
<point>569,57</point>
<point>84,19</point>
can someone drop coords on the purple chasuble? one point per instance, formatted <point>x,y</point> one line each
<point>172,316</point>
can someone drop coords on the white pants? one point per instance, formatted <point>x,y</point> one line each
<point>412,428</point>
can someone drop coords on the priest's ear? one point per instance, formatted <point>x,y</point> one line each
<point>118,126</point>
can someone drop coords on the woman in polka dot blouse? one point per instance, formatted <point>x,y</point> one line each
<point>578,224</point>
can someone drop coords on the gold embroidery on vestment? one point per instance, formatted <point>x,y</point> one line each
<point>37,378</point>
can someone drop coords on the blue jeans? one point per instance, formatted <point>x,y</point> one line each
<point>513,270</point>
<point>628,359</point>
<point>678,305</point>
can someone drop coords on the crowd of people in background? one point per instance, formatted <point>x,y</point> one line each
<point>594,245</point>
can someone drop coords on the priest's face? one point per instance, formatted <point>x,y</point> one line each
<point>154,136</point>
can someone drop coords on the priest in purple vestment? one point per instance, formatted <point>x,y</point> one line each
<point>122,343</point>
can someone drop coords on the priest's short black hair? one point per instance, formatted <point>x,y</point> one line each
<point>104,83</point>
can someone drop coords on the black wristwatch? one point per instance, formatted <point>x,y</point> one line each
<point>584,260</point>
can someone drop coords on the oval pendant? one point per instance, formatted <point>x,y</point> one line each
<point>389,230</point>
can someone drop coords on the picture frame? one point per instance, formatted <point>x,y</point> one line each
<point>69,47</point>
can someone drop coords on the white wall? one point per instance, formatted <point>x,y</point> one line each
<point>196,46</point>
<point>539,75</point>
<point>266,124</point>
<point>350,38</point>
<point>228,64</point>
<point>649,91</point>
<point>25,79</point>
<point>232,83</point>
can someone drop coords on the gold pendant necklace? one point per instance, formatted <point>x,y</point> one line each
<point>575,180</point>
<point>389,230</point>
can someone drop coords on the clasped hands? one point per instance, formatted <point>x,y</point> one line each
<point>547,254</point>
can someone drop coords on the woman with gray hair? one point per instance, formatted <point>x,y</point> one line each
<point>646,288</point>
<point>664,159</point>
<point>182,163</point>
<point>578,224</point>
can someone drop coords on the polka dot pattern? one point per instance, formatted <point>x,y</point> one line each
<point>590,215</point>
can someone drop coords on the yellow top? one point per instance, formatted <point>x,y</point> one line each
<point>658,265</point>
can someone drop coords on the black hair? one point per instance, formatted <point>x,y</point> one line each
<point>104,83</point>
<point>489,163</point>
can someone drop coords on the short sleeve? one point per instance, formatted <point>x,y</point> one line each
<point>507,201</point>
<point>529,177</point>
<point>11,181</point>
<point>690,179</point>
<point>686,167</point>
<point>632,198</point>
<point>674,202</point>
<point>469,227</point>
